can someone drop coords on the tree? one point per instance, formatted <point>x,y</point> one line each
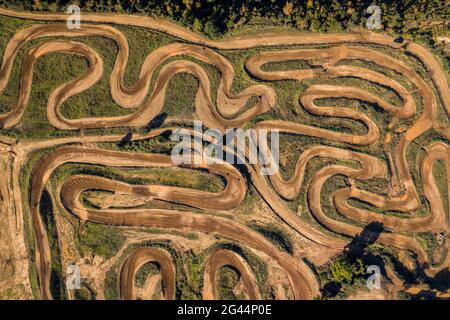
<point>211,29</point>
<point>198,25</point>
<point>342,271</point>
<point>288,8</point>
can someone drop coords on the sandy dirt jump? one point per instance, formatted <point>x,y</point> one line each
<point>211,213</point>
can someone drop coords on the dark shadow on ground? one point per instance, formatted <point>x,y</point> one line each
<point>356,250</point>
<point>156,121</point>
<point>126,139</point>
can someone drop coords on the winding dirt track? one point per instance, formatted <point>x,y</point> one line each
<point>302,280</point>
<point>222,258</point>
<point>229,111</point>
<point>136,260</point>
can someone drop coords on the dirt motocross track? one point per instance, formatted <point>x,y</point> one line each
<point>231,110</point>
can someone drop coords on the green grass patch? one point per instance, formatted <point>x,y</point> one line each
<point>277,236</point>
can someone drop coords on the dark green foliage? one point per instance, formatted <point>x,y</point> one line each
<point>340,275</point>
<point>275,235</point>
<point>342,271</point>
<point>216,16</point>
<point>85,293</point>
<point>147,270</point>
<point>111,285</point>
<point>228,278</point>
<point>100,239</point>
<point>48,218</point>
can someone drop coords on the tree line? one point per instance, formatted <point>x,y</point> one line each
<point>215,17</point>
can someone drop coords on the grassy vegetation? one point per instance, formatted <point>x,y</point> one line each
<point>441,174</point>
<point>257,266</point>
<point>227,280</point>
<point>415,155</point>
<point>418,19</point>
<point>343,271</point>
<point>189,270</point>
<point>184,288</point>
<point>147,270</point>
<point>158,144</point>
<point>14,293</point>
<point>100,239</point>
<point>247,206</point>
<point>341,275</point>
<point>364,205</point>
<point>95,101</point>
<point>428,242</point>
<point>57,286</point>
<point>326,198</point>
<point>112,285</point>
<point>288,65</point>
<point>85,293</point>
<point>275,235</point>
<point>62,68</point>
<point>25,178</point>
<point>300,204</point>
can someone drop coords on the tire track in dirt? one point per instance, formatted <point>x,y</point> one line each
<point>221,258</point>
<point>136,260</point>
